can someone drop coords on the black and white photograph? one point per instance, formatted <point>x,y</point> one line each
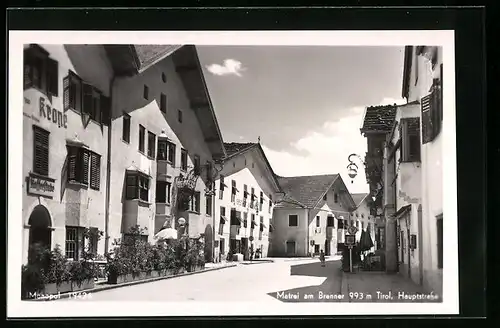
<point>232,173</point>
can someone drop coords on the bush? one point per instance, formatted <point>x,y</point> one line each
<point>32,280</point>
<point>58,269</point>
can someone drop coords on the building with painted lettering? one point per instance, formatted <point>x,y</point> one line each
<point>65,134</point>
<point>163,142</point>
<point>247,189</point>
<point>423,85</point>
<point>312,215</point>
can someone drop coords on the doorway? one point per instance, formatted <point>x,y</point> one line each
<point>40,232</point>
<point>327,248</point>
<point>290,248</point>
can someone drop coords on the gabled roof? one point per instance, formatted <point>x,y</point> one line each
<point>379,118</point>
<point>306,190</point>
<point>132,59</point>
<point>234,148</point>
<point>359,198</point>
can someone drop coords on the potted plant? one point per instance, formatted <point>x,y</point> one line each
<point>58,276</point>
<point>82,275</point>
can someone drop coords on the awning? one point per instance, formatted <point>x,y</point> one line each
<point>223,219</point>
<point>262,224</point>
<point>402,211</point>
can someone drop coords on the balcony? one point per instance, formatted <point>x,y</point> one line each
<point>162,170</point>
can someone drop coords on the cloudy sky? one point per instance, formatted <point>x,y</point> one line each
<point>305,103</point>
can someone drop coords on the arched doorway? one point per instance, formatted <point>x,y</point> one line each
<point>40,232</point>
<point>208,243</point>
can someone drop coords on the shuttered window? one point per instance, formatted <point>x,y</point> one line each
<point>432,111</point>
<point>142,136</point>
<point>79,166</point>
<point>40,71</point>
<point>409,130</point>
<point>72,92</point>
<point>40,151</point>
<point>95,171</point>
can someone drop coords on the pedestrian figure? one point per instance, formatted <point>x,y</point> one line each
<point>322,258</point>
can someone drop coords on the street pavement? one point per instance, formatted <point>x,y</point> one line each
<point>279,281</point>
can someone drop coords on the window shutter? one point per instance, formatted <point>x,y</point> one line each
<point>95,171</point>
<point>66,83</point>
<point>52,77</point>
<point>96,106</point>
<point>88,99</point>
<point>84,166</point>
<point>413,139</point>
<point>72,157</point>
<point>105,110</point>
<point>41,151</point>
<point>27,73</point>
<point>426,105</point>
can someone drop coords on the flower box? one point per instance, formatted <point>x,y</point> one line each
<point>54,288</point>
<point>130,277</point>
<point>83,285</point>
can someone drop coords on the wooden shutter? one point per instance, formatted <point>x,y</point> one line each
<point>88,99</point>
<point>52,77</point>
<point>413,144</point>
<point>84,166</point>
<point>105,110</point>
<point>95,171</point>
<point>41,151</point>
<point>96,105</point>
<point>426,105</point>
<point>72,159</point>
<point>66,90</point>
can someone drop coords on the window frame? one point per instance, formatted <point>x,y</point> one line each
<point>410,149</point>
<point>42,169</point>
<point>142,139</point>
<point>78,242</point>
<point>208,205</point>
<point>167,187</point>
<point>141,186</point>
<point>296,217</point>
<point>126,124</point>
<point>318,221</point>
<point>184,160</point>
<point>151,149</point>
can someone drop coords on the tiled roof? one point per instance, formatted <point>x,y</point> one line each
<point>379,118</point>
<point>235,147</point>
<point>358,198</point>
<point>306,190</point>
<point>149,53</point>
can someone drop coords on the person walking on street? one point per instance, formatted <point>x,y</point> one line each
<point>322,258</point>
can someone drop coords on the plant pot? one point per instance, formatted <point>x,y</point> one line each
<point>82,285</point>
<point>54,288</point>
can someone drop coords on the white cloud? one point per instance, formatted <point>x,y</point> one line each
<point>329,148</point>
<point>229,66</point>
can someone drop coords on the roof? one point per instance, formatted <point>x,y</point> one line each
<point>306,190</point>
<point>358,198</point>
<point>132,59</point>
<point>379,118</point>
<point>235,148</point>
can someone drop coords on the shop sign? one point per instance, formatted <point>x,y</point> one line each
<point>52,115</point>
<point>39,185</point>
<point>350,240</point>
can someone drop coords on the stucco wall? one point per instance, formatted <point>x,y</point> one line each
<point>91,211</point>
<point>319,234</point>
<point>362,215</point>
<point>432,174</point>
<point>284,233</point>
<point>128,97</point>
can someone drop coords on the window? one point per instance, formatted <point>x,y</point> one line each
<point>163,77</point>
<point>151,144</point>
<point>163,103</point>
<point>146,92</point>
<point>78,164</point>
<point>362,216</point>
<point>362,226</point>
<point>235,217</point>
<point>324,197</point>
<point>432,110</point>
<point>40,151</point>
<point>357,224</point>
<point>163,192</point>
<point>95,171</point>
<point>171,152</point>
<point>409,131</point>
<point>290,247</point>
<point>221,187</point>
<point>245,219</point>
<point>40,71</point>
<point>252,222</point>
<point>261,200</point>
<point>184,160</point>
<point>126,128</point>
<point>245,194</point>
<point>85,99</point>
<point>440,241</point>
<point>252,199</point>
<point>142,136</point>
<point>197,164</point>
<point>261,226</point>
<point>74,242</point>
<point>316,249</point>
<point>195,202</point>
<point>335,198</point>
<point>293,220</point>
<point>179,116</point>
<point>223,213</point>
<point>330,222</point>
<point>317,221</point>
<point>340,224</point>
<point>208,205</point>
<point>137,186</point>
<point>162,150</point>
<point>233,191</point>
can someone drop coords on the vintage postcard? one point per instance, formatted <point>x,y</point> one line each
<point>232,173</point>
